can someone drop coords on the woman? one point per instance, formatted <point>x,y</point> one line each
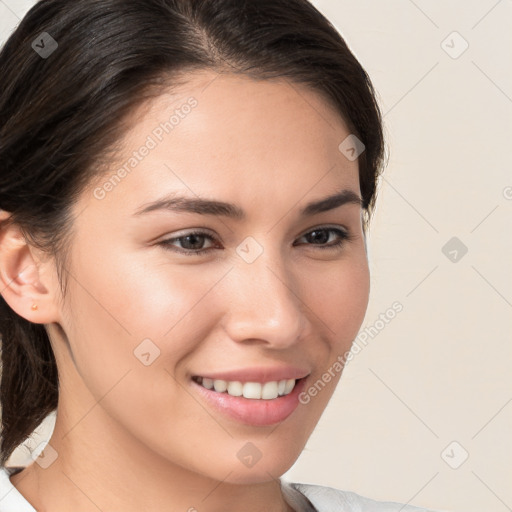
<point>185,192</point>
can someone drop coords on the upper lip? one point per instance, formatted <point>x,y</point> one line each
<point>257,374</point>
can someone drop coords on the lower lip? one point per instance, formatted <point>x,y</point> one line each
<point>252,411</point>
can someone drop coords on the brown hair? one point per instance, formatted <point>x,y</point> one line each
<point>71,74</point>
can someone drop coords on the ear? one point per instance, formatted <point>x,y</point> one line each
<point>26,279</point>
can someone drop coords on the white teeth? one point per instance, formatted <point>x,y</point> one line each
<point>207,383</point>
<point>269,390</point>
<point>252,390</point>
<point>235,388</point>
<point>290,384</point>
<point>220,385</point>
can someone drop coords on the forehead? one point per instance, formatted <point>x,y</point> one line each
<point>233,136</point>
<point>231,111</point>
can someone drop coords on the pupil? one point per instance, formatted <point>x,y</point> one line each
<point>193,237</point>
<point>321,238</point>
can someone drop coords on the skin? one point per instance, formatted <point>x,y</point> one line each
<point>270,148</point>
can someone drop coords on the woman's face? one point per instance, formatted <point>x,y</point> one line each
<point>268,298</point>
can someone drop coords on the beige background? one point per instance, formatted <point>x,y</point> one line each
<point>432,385</point>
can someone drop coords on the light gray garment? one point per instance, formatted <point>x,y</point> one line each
<point>317,498</point>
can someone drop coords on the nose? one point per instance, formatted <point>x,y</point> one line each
<point>264,303</point>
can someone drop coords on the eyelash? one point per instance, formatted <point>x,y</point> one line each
<point>345,236</point>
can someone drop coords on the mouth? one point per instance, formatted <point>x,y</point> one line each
<point>251,403</point>
<point>250,390</point>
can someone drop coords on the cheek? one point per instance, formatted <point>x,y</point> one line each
<point>128,299</point>
<point>124,309</point>
<point>339,297</point>
<point>124,315</point>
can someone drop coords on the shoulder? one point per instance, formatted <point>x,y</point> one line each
<point>324,499</point>
<point>11,500</point>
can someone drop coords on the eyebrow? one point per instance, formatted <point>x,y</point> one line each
<point>201,206</point>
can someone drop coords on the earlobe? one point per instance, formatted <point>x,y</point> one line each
<point>21,284</point>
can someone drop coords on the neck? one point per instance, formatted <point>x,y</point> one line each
<point>93,472</point>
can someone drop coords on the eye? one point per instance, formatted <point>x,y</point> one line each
<point>193,243</point>
<point>321,235</point>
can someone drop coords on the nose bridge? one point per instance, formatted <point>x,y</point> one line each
<point>266,301</point>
